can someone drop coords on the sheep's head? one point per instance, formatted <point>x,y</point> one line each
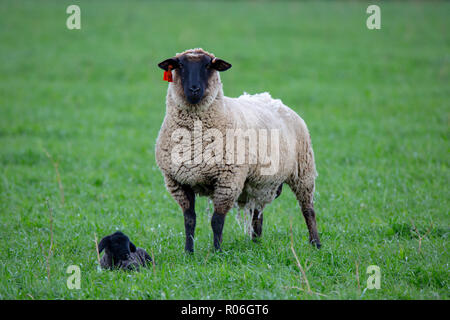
<point>194,71</point>
<point>119,247</point>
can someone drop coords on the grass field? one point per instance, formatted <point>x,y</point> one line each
<point>376,103</point>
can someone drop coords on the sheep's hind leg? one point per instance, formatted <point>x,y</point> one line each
<point>257,224</point>
<point>310,218</point>
<point>305,194</point>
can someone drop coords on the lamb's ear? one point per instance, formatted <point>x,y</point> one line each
<point>104,243</point>
<point>169,62</point>
<point>132,247</point>
<point>220,65</point>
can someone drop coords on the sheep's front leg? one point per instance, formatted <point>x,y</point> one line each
<point>217,222</point>
<point>185,197</point>
<point>221,208</point>
<point>224,198</point>
<point>189,220</point>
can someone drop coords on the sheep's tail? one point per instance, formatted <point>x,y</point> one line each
<point>302,181</point>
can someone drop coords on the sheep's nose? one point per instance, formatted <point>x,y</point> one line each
<point>194,89</point>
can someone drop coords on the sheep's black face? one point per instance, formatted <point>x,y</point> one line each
<point>118,245</point>
<point>194,76</point>
<point>194,71</point>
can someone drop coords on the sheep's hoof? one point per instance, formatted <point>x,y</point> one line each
<point>315,243</point>
<point>256,238</point>
<point>189,245</point>
<point>189,250</point>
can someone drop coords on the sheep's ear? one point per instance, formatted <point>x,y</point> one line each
<point>104,243</point>
<point>132,247</point>
<point>169,62</point>
<point>220,65</point>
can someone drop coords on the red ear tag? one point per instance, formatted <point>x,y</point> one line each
<point>168,75</point>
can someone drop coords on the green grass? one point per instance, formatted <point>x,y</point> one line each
<point>376,103</point>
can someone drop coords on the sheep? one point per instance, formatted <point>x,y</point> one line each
<point>195,100</point>
<point>121,253</point>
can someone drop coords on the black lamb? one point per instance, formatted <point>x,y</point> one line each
<point>121,253</point>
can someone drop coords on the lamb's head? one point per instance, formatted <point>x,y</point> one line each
<point>119,247</point>
<point>196,81</point>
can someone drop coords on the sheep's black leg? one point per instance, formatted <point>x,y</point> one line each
<point>305,196</point>
<point>310,218</point>
<point>189,220</point>
<point>189,226</point>
<point>225,195</point>
<point>257,224</point>
<point>280,188</point>
<point>217,222</point>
